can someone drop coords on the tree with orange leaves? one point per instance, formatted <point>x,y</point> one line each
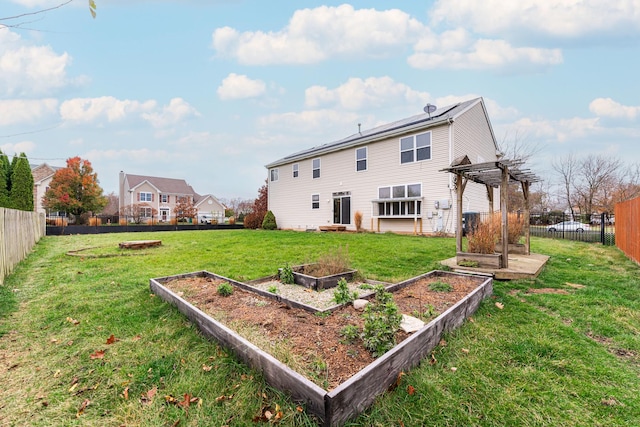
<point>75,190</point>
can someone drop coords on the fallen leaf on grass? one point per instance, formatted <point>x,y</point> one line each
<point>136,338</point>
<point>147,397</point>
<point>268,414</point>
<point>299,409</point>
<point>223,398</point>
<point>125,393</point>
<point>73,321</point>
<point>453,369</point>
<point>411,390</point>
<point>112,339</point>
<point>99,354</point>
<point>575,285</point>
<point>83,406</point>
<point>500,305</point>
<point>465,350</point>
<point>206,368</point>
<point>433,360</point>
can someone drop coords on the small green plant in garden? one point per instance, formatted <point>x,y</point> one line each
<point>350,333</point>
<point>342,295</point>
<point>381,321</point>
<point>426,314</point>
<point>440,287</point>
<point>225,289</point>
<point>286,275</point>
<point>366,286</point>
<point>273,289</point>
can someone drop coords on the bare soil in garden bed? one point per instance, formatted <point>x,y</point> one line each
<point>311,344</point>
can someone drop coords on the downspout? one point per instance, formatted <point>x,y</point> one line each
<point>451,184</point>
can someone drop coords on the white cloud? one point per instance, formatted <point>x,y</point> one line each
<point>15,111</point>
<point>565,19</point>
<point>85,110</point>
<point>314,35</point>
<point>308,121</point>
<point>31,70</point>
<point>356,94</point>
<point>607,107</point>
<point>458,50</point>
<point>18,147</point>
<point>144,155</point>
<point>561,131</point>
<point>236,86</point>
<point>177,110</point>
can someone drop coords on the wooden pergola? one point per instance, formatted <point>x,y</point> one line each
<point>496,174</point>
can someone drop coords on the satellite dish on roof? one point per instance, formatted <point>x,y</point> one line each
<point>429,108</point>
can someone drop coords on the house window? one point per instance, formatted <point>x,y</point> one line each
<point>146,212</point>
<point>164,198</point>
<point>316,168</point>
<point>315,201</point>
<point>295,170</point>
<point>415,148</point>
<point>274,175</point>
<point>399,200</point>
<point>146,197</point>
<point>361,159</point>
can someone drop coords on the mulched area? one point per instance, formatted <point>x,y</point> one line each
<point>310,343</point>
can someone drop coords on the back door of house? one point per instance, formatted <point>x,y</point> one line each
<point>342,207</point>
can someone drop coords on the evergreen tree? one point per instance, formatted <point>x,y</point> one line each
<point>21,193</point>
<point>4,180</point>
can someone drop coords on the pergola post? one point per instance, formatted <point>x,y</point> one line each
<point>490,197</point>
<point>527,218</point>
<point>504,210</point>
<point>459,190</point>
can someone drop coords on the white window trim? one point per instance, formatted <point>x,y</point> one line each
<point>150,194</point>
<point>312,201</point>
<point>403,202</point>
<point>319,168</point>
<point>415,148</point>
<point>366,158</point>
<point>295,170</point>
<point>274,172</point>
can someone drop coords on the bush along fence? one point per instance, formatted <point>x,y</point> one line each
<point>19,232</point>
<point>597,228</point>
<point>628,228</point>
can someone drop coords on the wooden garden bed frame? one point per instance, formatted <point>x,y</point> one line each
<point>355,395</point>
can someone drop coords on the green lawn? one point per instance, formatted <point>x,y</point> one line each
<point>544,359</point>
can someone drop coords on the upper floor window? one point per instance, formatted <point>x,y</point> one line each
<point>315,201</point>
<point>415,148</point>
<point>316,168</point>
<point>295,169</point>
<point>146,197</point>
<point>164,198</point>
<point>361,159</point>
<point>273,174</point>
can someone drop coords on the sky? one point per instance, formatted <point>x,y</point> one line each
<point>211,91</point>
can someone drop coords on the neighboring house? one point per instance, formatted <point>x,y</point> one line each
<point>42,176</point>
<point>150,193</point>
<point>390,174</point>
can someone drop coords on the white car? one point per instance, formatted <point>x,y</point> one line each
<point>569,226</point>
<point>205,218</point>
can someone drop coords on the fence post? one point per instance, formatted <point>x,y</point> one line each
<point>602,217</point>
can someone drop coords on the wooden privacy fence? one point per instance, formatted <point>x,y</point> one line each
<point>628,228</point>
<point>19,232</point>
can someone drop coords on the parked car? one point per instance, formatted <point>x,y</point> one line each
<point>205,218</point>
<point>569,226</point>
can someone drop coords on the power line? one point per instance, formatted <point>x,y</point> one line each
<point>33,131</point>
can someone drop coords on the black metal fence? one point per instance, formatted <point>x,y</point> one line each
<point>598,228</point>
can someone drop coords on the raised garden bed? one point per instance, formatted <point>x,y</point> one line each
<point>256,324</point>
<point>304,275</point>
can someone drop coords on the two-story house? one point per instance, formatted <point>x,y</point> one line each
<point>42,176</point>
<point>391,175</point>
<point>157,197</point>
